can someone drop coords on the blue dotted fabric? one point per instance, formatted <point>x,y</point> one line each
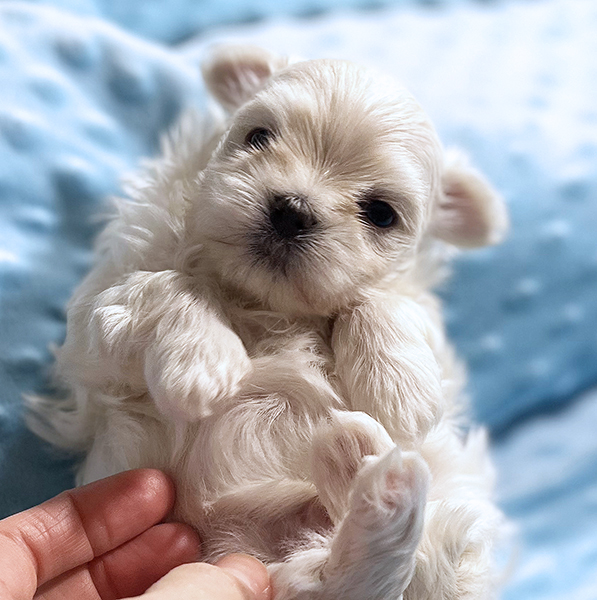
<point>548,485</point>
<point>514,83</point>
<point>172,21</point>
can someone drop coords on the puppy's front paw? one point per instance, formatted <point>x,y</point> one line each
<point>339,446</point>
<point>186,380</point>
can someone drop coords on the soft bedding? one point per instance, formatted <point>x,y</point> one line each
<point>89,87</point>
<point>547,471</point>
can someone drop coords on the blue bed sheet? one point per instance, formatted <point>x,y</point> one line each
<point>548,486</point>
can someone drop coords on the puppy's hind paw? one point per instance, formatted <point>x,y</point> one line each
<point>375,546</point>
<point>389,488</point>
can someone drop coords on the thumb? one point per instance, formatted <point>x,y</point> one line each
<point>250,573</point>
<point>235,577</point>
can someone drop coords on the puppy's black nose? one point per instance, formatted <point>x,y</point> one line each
<point>291,216</point>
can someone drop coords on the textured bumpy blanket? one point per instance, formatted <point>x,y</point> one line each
<point>89,86</point>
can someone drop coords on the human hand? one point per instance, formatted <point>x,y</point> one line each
<point>235,577</point>
<point>99,542</point>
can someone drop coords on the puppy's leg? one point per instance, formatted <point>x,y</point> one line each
<point>372,553</point>
<point>339,446</point>
<point>156,331</point>
<point>392,372</point>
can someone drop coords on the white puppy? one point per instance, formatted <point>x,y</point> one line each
<point>259,324</point>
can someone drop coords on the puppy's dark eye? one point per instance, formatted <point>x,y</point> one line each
<point>259,138</point>
<point>379,213</point>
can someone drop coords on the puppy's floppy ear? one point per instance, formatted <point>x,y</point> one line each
<point>234,74</point>
<point>470,213</point>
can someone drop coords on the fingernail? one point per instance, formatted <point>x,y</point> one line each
<point>250,572</point>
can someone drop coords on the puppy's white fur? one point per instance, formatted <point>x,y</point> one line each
<point>298,387</point>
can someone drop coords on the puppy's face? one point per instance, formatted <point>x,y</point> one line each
<point>323,185</point>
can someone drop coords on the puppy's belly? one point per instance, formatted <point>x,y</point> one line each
<point>242,474</point>
<point>264,520</point>
<point>244,482</point>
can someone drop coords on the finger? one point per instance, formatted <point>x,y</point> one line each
<point>132,568</point>
<point>250,572</point>
<point>237,577</point>
<point>82,523</point>
<point>127,570</point>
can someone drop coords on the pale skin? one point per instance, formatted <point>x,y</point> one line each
<point>107,541</point>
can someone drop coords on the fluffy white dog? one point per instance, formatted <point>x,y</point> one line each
<point>259,324</point>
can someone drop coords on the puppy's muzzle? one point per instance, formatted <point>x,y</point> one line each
<point>291,216</point>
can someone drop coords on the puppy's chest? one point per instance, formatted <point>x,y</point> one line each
<point>270,334</point>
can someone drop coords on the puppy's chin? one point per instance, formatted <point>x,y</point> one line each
<point>295,288</point>
<point>290,294</point>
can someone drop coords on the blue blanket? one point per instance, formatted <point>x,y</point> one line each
<point>88,87</point>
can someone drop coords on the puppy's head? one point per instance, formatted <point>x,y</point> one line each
<point>326,183</point>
